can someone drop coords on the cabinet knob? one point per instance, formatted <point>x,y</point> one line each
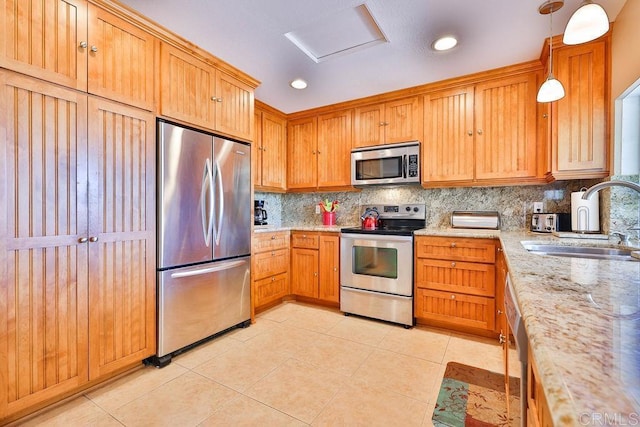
<point>381,123</point>
<point>453,297</point>
<point>335,268</point>
<point>273,279</point>
<point>453,264</point>
<point>93,239</point>
<point>499,249</point>
<point>83,240</point>
<point>83,45</point>
<point>499,312</point>
<point>318,151</point>
<point>470,132</point>
<point>218,99</point>
<point>263,149</point>
<point>503,338</point>
<point>315,274</point>
<point>273,237</point>
<point>313,152</point>
<point>273,254</point>
<point>545,115</point>
<point>94,49</point>
<point>479,131</point>
<point>453,244</point>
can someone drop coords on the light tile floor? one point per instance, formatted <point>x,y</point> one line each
<point>297,365</point>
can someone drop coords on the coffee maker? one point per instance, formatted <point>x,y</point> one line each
<point>259,213</point>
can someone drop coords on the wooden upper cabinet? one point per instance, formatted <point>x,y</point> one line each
<point>187,87</point>
<point>122,298</point>
<point>448,145</point>
<point>302,145</point>
<point>580,129</point>
<point>80,46</point>
<point>256,149</point>
<point>43,269</point>
<point>334,149</point>
<point>197,93</point>
<point>387,123</point>
<point>506,128</point>
<point>234,107</point>
<point>121,60</point>
<point>43,39</point>
<point>270,151</point>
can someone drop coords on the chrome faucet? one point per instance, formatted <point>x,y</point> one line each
<point>594,189</point>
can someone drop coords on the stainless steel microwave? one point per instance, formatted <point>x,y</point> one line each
<point>391,164</point>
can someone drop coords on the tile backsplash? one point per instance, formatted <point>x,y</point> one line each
<point>513,203</point>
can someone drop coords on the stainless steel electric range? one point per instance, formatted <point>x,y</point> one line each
<point>376,268</point>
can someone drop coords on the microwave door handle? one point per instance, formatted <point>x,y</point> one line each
<point>404,166</point>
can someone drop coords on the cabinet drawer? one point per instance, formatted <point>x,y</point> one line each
<point>305,240</point>
<point>269,263</point>
<point>271,288</point>
<point>456,309</point>
<point>457,249</point>
<point>456,276</point>
<point>265,241</point>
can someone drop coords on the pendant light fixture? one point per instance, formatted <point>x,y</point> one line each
<point>551,90</point>
<point>587,23</point>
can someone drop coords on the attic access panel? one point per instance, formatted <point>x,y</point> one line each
<point>344,32</point>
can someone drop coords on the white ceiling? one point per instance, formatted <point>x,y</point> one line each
<point>250,35</point>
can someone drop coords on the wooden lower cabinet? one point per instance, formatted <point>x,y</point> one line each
<point>455,283</point>
<point>315,267</point>
<point>270,267</point>
<point>77,241</point>
<point>538,414</point>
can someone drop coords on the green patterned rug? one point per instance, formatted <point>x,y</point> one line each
<point>474,397</point>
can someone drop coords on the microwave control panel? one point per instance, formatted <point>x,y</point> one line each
<point>412,169</point>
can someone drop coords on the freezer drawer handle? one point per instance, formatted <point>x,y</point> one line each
<point>225,266</point>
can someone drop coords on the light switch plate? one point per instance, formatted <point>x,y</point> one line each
<point>317,209</point>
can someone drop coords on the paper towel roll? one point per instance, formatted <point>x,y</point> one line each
<point>585,214</point>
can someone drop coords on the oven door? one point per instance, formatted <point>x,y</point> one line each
<point>377,262</point>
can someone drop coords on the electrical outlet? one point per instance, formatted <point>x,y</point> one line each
<point>317,209</point>
<point>537,207</point>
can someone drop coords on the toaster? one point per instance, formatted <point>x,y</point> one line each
<point>550,222</point>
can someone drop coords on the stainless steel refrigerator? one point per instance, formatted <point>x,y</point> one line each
<point>204,240</point>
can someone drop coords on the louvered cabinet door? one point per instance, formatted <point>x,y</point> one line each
<point>448,144</point>
<point>334,149</point>
<point>43,39</point>
<point>120,60</point>
<point>506,128</point>
<point>121,236</point>
<point>234,107</point>
<point>43,265</point>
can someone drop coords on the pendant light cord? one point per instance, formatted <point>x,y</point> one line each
<point>551,42</point>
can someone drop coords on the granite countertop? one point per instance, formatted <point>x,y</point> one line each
<point>582,318</point>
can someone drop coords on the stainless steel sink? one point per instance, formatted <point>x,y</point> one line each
<point>594,252</point>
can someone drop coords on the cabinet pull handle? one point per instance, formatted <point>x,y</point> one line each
<point>453,264</point>
<point>93,239</point>
<point>83,240</point>
<point>83,45</point>
<point>94,49</point>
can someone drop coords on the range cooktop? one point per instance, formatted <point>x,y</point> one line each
<point>398,220</point>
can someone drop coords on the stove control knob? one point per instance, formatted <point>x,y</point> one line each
<point>408,208</point>
<point>415,209</point>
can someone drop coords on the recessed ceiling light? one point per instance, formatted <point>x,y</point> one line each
<point>445,43</point>
<point>298,84</point>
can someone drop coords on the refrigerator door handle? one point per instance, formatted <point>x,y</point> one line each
<point>206,216</point>
<point>218,228</point>
<point>197,272</point>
